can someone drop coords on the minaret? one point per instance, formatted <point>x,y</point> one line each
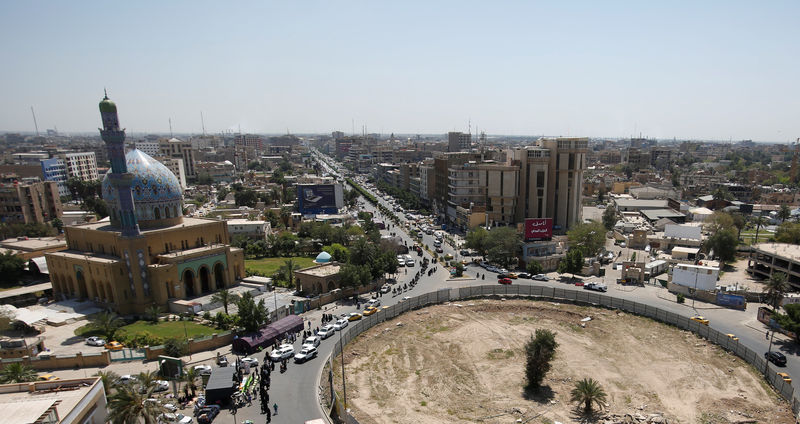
<point>120,179</point>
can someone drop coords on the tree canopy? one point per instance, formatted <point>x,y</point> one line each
<point>591,237</point>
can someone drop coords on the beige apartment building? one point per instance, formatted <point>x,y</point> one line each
<point>30,202</point>
<point>179,149</point>
<point>81,165</point>
<point>567,164</point>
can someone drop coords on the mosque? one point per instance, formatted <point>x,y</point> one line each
<point>146,252</point>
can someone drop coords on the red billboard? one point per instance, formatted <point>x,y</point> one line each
<point>538,229</point>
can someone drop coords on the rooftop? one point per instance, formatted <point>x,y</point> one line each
<point>30,244</point>
<point>244,222</point>
<point>785,250</point>
<point>106,225</point>
<point>656,214</point>
<point>636,203</point>
<point>27,402</point>
<point>321,270</point>
<point>86,256</point>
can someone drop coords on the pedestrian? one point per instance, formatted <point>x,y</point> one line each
<point>309,324</point>
<point>316,329</point>
<point>275,406</point>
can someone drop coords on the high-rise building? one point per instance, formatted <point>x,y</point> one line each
<point>82,166</point>
<point>458,141</point>
<point>54,169</point>
<point>152,148</point>
<point>175,148</point>
<point>30,203</point>
<point>565,180</point>
<point>534,164</point>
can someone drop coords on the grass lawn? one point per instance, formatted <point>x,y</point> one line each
<point>269,266</point>
<point>164,329</point>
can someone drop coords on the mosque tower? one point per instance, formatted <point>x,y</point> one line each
<point>122,216</point>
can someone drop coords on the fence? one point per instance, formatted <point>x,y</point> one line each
<point>560,294</point>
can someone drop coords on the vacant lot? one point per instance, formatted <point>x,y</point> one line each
<point>269,266</point>
<point>464,363</point>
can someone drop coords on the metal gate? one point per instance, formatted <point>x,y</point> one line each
<point>127,354</point>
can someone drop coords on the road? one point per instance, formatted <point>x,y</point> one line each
<point>296,390</point>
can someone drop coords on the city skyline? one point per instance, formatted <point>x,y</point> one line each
<point>714,71</point>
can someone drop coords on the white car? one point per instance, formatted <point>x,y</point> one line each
<point>409,262</point>
<point>386,288</point>
<point>326,331</point>
<point>170,418</point>
<point>374,303</point>
<point>202,369</point>
<point>312,340</point>
<point>306,353</point>
<point>252,361</point>
<point>282,352</point>
<point>340,324</point>
<point>126,379</point>
<point>95,341</point>
<point>401,261</point>
<point>161,385</point>
<point>540,277</point>
<point>170,407</point>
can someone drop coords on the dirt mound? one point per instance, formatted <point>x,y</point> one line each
<point>465,362</point>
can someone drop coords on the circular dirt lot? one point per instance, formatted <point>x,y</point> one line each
<point>465,363</point>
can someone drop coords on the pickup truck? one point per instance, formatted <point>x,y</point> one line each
<point>596,287</point>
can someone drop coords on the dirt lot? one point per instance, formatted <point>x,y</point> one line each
<point>457,363</point>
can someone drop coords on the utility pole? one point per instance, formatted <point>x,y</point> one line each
<point>694,295</point>
<point>344,383</point>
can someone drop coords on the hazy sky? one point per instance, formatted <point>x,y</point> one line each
<point>694,69</point>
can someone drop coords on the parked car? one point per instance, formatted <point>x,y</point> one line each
<point>306,353</point>
<point>524,275</point>
<point>326,331</point>
<point>732,337</point>
<point>700,319</point>
<point>540,277</point>
<point>401,261</point>
<point>776,358</point>
<point>513,276</point>
<point>312,340</point>
<point>596,287</point>
<point>125,379</point>
<point>499,276</point>
<point>252,361</point>
<point>410,261</point>
<point>161,386</point>
<point>283,351</point>
<point>114,345</point>
<point>48,377</point>
<point>207,414</point>
<point>504,281</point>
<point>354,316</point>
<point>202,369</point>
<point>785,377</point>
<point>340,324</point>
<point>95,341</point>
<point>222,361</point>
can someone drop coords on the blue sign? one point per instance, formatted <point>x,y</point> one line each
<point>731,300</point>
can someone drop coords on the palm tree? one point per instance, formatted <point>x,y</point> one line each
<point>289,266</point>
<point>17,372</point>
<point>145,381</point>
<point>152,313</point>
<point>190,378</point>
<point>224,297</point>
<point>588,392</point>
<point>109,379</point>
<point>107,323</point>
<point>128,406</point>
<point>776,287</point>
<point>784,213</point>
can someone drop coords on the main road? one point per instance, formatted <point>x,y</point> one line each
<point>296,391</point>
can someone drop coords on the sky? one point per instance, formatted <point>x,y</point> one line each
<point>680,69</point>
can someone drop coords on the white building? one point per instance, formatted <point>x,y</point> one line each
<point>149,147</point>
<point>257,230</point>
<point>176,166</point>
<point>695,276</point>
<point>81,165</point>
<point>76,401</point>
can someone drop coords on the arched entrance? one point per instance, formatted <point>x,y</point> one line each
<point>82,293</point>
<point>205,287</point>
<point>188,283</point>
<point>331,286</point>
<point>219,276</point>
<point>318,288</point>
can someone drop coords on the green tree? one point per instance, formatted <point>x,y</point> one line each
<point>58,224</point>
<point>204,179</point>
<point>175,347</point>
<point>724,244</point>
<point>11,268</point>
<point>17,372</point>
<point>476,239</point>
<point>572,262</point>
<point>128,406</point>
<point>190,379</point>
<point>534,268</point>
<point>589,393</point>
<point>775,289</point>
<point>225,297</point>
<point>788,232</point>
<point>609,218</point>
<point>722,193</point>
<point>539,353</point>
<point>152,312</point>
<point>503,245</point>
<point>459,269</point>
<point>288,268</point>
<point>784,213</point>
<point>591,237</point>
<point>251,315</point>
<point>246,197</point>
<point>222,192</point>
<point>107,323</point>
<point>109,380</point>
<point>354,276</point>
<point>720,221</point>
<point>338,252</point>
<point>791,320</point>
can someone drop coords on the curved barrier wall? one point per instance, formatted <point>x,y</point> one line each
<point>577,296</point>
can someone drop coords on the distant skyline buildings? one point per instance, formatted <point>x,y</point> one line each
<point>687,70</point>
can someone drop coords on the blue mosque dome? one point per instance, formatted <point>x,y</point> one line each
<point>323,258</point>
<point>157,194</point>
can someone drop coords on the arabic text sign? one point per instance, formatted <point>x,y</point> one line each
<point>538,229</point>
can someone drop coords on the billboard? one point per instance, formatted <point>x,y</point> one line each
<point>319,198</point>
<point>538,229</point>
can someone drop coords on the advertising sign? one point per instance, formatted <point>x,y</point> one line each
<point>538,229</point>
<point>731,300</point>
<point>319,198</point>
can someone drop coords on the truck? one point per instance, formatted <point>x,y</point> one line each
<point>601,287</point>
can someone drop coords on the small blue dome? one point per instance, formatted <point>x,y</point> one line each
<point>323,258</point>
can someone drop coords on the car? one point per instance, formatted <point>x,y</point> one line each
<point>437,243</point>
<point>369,311</point>
<point>354,316</point>
<point>207,413</point>
<point>282,352</point>
<point>401,261</point>
<point>512,276</point>
<point>776,358</point>
<point>502,270</point>
<point>95,341</point>
<point>170,407</point>
<point>524,275</point>
<point>306,353</point>
<point>540,277</point>
<point>173,417</point>
<point>326,331</point>
<point>596,287</point>
<point>504,281</point>
<point>700,319</point>
<point>222,361</point>
<point>48,377</point>
<point>161,386</point>
<point>252,361</point>
<point>114,345</point>
<point>125,379</point>
<point>439,249</point>
<point>340,324</point>
<point>374,302</point>
<point>601,206</point>
<point>410,262</point>
<point>491,268</point>
<point>202,369</point>
<point>405,298</point>
<point>386,289</point>
<point>732,337</point>
<point>499,276</point>
<point>312,340</point>
<point>785,377</point>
